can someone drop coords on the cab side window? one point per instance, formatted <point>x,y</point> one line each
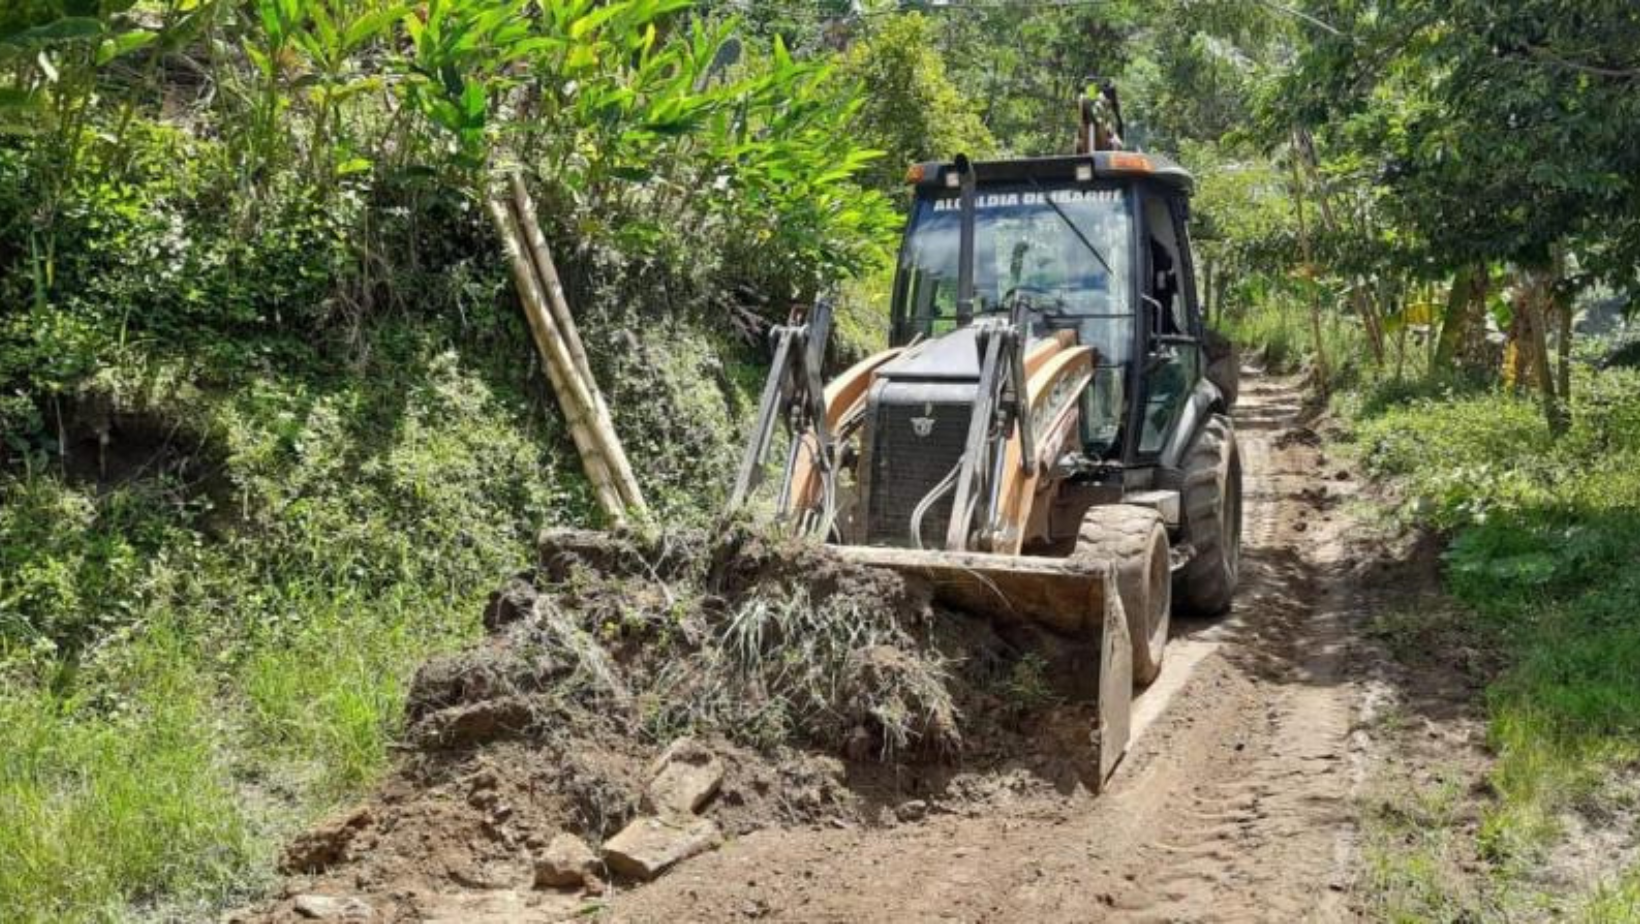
<point>1170,368</point>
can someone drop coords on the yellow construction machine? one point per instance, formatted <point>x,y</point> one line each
<point>1048,438</point>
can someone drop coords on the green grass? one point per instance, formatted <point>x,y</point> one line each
<point>1544,553</point>
<point>1278,332</point>
<point>202,658</point>
<point>1412,856</point>
<point>105,803</point>
<point>1615,903</point>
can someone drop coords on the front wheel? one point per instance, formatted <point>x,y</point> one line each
<point>1211,496</point>
<point>1134,539</point>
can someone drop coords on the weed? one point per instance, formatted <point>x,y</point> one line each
<point>1278,333</point>
<point>73,774</point>
<point>831,666</point>
<point>1616,902</point>
<point>1027,687</point>
<point>1546,533</point>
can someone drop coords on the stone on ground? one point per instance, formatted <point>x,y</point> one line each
<point>566,863</point>
<point>683,779</point>
<point>328,908</point>
<point>648,846</point>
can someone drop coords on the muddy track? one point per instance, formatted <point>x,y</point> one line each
<point>1234,804</point>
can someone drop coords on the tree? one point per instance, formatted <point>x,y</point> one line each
<point>1025,65</point>
<point>1488,133</point>
<point>913,111</point>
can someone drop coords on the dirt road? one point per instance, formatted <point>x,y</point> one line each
<point>1235,803</point>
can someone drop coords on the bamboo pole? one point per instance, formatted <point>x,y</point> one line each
<point>572,400</point>
<point>626,480</point>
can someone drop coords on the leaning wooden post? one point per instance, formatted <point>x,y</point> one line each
<point>566,386</point>
<point>626,480</point>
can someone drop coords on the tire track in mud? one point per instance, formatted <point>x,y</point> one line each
<point>1267,834</point>
<point>1235,802</point>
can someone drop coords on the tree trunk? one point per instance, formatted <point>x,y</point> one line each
<point>1518,356</point>
<point>1304,245</point>
<point>1553,413</point>
<point>1562,305</point>
<point>1456,319</point>
<point>1463,326</point>
<point>1534,312</point>
<point>1563,387</point>
<point>1370,319</point>
<point>1207,289</point>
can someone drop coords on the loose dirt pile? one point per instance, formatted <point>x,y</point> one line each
<point>793,690</point>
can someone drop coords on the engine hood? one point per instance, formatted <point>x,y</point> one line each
<point>950,357</point>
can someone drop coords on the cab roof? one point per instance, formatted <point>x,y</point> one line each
<point>1060,169</point>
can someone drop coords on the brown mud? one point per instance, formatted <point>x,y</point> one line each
<point>945,776</point>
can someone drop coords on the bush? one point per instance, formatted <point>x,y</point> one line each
<point>1546,534</point>
<point>1276,329</point>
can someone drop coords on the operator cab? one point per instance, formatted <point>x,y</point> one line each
<point>1093,243</point>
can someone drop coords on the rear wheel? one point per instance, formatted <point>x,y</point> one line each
<point>1210,494</point>
<point>1134,539</point>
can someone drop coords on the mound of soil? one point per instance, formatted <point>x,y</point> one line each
<point>830,694</point>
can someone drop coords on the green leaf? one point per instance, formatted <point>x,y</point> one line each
<point>12,98</point>
<point>123,44</point>
<point>263,64</point>
<point>474,101</point>
<point>371,25</point>
<point>582,27</point>
<point>582,57</point>
<point>66,29</point>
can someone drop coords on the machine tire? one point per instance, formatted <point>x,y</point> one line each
<point>1210,497</point>
<point>1134,539</point>
<point>1223,365</point>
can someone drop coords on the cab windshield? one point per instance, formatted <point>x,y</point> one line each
<point>1066,252</point>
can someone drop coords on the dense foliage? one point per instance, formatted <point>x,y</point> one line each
<point>270,423</point>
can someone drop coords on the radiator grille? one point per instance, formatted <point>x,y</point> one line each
<point>905,466</point>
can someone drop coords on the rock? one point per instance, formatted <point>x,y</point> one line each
<point>911,810</point>
<point>502,906</point>
<point>479,874</point>
<point>566,863</point>
<point>648,846</point>
<point>683,779</point>
<point>327,908</point>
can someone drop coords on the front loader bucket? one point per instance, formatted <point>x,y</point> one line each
<point>1075,598</point>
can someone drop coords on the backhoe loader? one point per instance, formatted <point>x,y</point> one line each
<point>1047,438</point>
